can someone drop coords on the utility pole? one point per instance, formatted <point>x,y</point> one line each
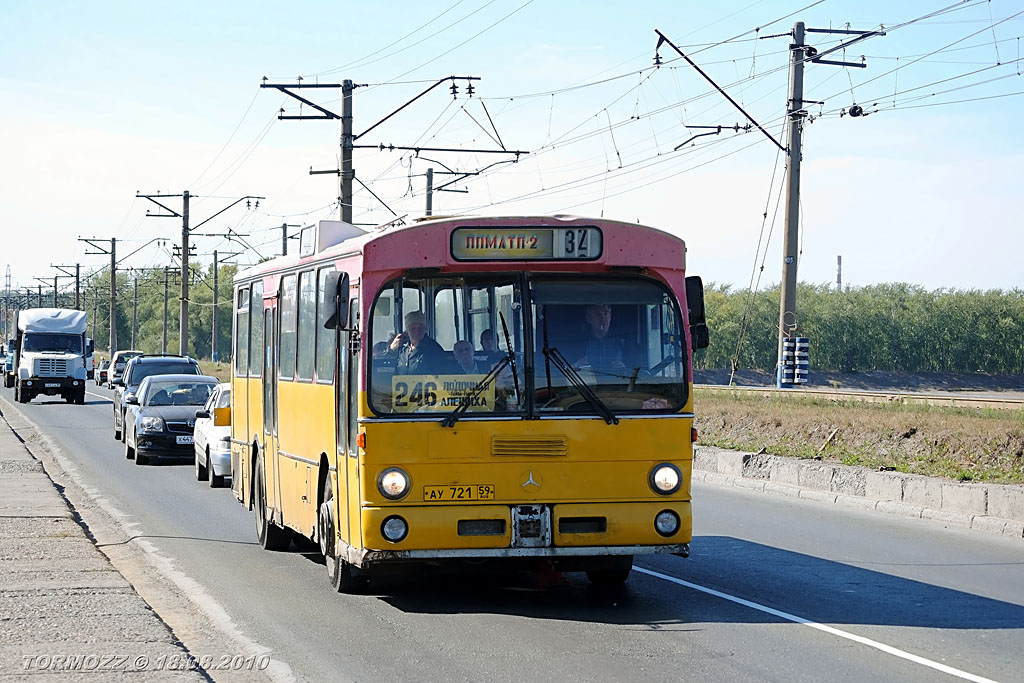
<point>135,308</point>
<point>92,241</point>
<point>213,334</point>
<point>184,216</point>
<point>347,140</point>
<point>348,136</point>
<point>164,347</point>
<point>284,237</point>
<point>430,191</point>
<point>183,315</point>
<point>839,273</point>
<point>800,53</point>
<point>795,113</point>
<point>95,312</point>
<point>67,272</point>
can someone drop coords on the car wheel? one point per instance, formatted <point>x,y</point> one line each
<point>140,459</point>
<point>271,536</point>
<point>216,482</point>
<point>202,473</point>
<point>343,576</point>
<point>129,452</point>
<point>117,432</point>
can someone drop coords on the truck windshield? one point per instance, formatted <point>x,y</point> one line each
<point>51,341</point>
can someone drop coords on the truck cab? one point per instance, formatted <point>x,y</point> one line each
<point>50,354</point>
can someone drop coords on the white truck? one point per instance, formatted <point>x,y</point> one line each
<point>49,354</point>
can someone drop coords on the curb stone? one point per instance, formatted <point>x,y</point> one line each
<point>988,508</point>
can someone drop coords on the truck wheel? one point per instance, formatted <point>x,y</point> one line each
<point>80,395</point>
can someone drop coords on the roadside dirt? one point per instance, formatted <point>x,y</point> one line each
<point>877,380</point>
<point>963,444</point>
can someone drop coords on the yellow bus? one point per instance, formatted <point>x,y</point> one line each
<point>469,388</point>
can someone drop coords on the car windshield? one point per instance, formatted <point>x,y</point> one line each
<point>52,341</point>
<point>179,393</point>
<point>143,370</point>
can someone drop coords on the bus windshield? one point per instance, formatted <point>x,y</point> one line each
<point>621,337</point>
<point>436,341</point>
<point>52,341</point>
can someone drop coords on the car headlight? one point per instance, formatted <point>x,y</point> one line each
<point>151,424</point>
<point>665,478</point>
<point>127,395</point>
<point>393,483</point>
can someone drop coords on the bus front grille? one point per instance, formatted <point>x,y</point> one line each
<point>529,446</point>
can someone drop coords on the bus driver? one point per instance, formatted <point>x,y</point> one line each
<point>416,353</point>
<point>600,352</point>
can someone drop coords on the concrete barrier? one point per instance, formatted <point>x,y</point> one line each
<point>992,508</point>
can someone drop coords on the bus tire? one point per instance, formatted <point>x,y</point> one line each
<point>343,576</point>
<point>271,536</point>
<point>611,575</point>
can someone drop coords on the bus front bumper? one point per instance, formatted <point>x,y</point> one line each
<point>557,532</point>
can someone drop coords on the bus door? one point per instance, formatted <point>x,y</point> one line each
<point>270,442</point>
<point>348,427</point>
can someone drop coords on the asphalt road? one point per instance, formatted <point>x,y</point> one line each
<point>776,589</point>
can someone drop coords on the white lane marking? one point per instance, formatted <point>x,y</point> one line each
<point>888,649</point>
<point>89,393</point>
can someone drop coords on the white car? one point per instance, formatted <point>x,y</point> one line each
<point>213,438</point>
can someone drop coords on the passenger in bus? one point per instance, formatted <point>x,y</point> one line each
<point>600,352</point>
<point>415,351</point>
<point>380,350</point>
<point>489,347</point>
<point>465,363</point>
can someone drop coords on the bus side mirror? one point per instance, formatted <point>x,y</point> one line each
<point>699,338</point>
<point>335,300</point>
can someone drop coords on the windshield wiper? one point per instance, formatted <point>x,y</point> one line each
<point>511,357</point>
<point>451,418</point>
<point>555,357</point>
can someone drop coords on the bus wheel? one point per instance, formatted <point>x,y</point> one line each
<point>343,576</point>
<point>612,574</point>
<point>271,536</point>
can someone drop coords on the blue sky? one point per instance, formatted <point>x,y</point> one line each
<point>108,98</point>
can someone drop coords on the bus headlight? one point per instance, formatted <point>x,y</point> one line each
<point>394,529</point>
<point>393,483</point>
<point>665,479</point>
<point>666,523</point>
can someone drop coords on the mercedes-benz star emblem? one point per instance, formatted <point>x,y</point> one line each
<point>530,481</point>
